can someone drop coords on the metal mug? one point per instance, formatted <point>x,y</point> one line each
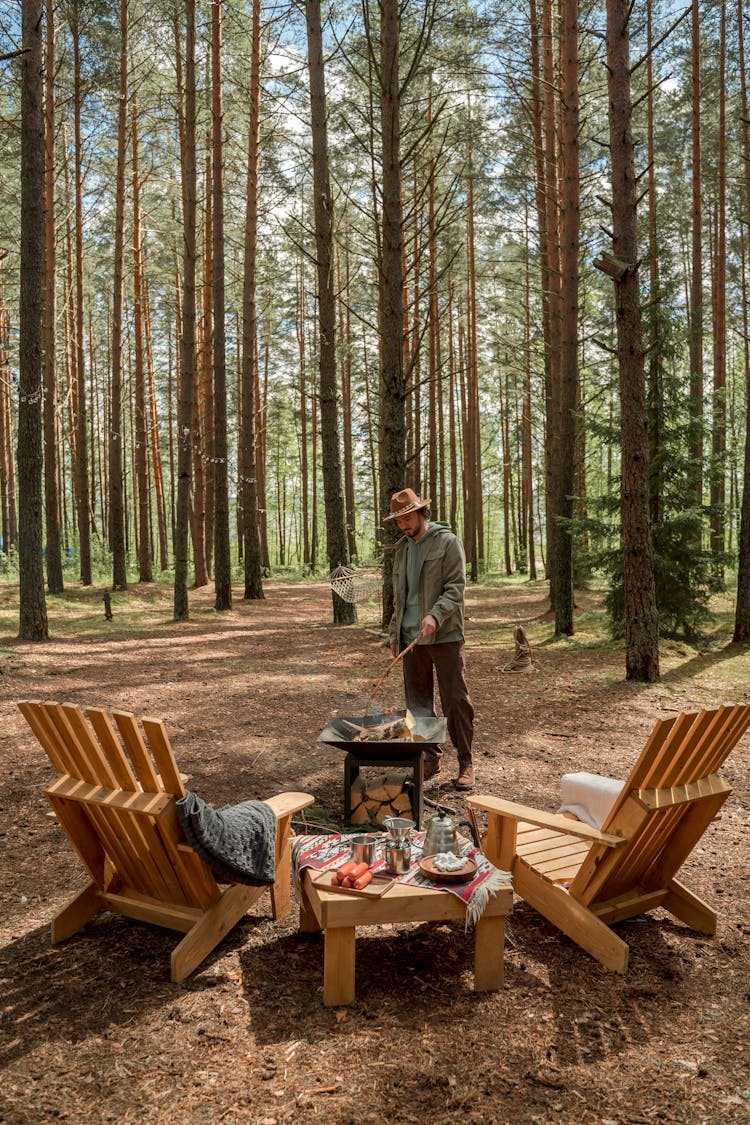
<point>364,849</point>
<point>397,856</point>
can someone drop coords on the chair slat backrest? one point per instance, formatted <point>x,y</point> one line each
<point>680,752</point>
<point>122,845</point>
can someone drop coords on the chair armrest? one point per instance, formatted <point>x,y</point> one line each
<point>285,804</point>
<point>512,811</point>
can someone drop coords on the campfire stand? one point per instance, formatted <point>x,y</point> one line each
<point>428,731</point>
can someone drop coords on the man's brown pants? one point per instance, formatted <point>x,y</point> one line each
<point>449,665</point>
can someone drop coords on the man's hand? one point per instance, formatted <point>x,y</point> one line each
<point>429,626</point>
<point>394,650</point>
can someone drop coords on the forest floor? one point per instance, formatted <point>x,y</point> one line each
<point>93,1030</point>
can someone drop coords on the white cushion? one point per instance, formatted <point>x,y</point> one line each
<point>588,796</point>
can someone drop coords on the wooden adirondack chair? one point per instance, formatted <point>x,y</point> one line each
<point>115,795</point>
<point>584,879</point>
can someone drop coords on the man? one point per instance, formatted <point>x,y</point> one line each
<point>429,579</point>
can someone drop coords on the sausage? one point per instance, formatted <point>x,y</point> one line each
<point>362,881</point>
<point>346,881</point>
<point>359,870</point>
<point>341,872</point>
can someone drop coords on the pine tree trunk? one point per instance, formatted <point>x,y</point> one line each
<point>560,560</point>
<point>53,552</point>
<point>433,341</point>
<point>641,618</point>
<point>202,408</point>
<point>695,323</point>
<point>336,539</point>
<point>452,422</point>
<point>552,351</point>
<point>81,450</point>
<point>719,321</point>
<point>371,430</point>
<point>303,410</point>
<point>345,334</point>
<point>654,394</point>
<point>32,606</point>
<point>742,611</point>
<point>471,435</point>
<point>155,442</point>
<point>222,550</point>
<point>392,379</point>
<point>143,491</point>
<point>261,446</point>
<point>9,525</point>
<point>185,429</point>
<point>527,469</point>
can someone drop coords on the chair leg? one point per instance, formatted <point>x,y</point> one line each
<point>210,928</point>
<point>690,909</point>
<point>565,912</point>
<point>281,891</point>
<point>77,911</point>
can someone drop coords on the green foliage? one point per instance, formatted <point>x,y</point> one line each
<point>9,564</point>
<point>686,574</point>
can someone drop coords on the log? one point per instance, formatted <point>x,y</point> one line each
<point>402,804</point>
<point>382,796</point>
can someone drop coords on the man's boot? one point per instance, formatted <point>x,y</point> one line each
<point>465,779</point>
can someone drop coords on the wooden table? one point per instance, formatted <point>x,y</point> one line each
<point>337,916</point>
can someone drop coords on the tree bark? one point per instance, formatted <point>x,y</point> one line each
<point>641,617</point>
<point>143,490</point>
<point>185,428</point>
<point>654,389</point>
<point>116,498</point>
<point>53,550</point>
<point>9,516</point>
<point>695,324</point>
<point>249,375</point>
<point>345,330</point>
<point>719,322</point>
<point>392,378</point>
<point>561,558</point>
<point>81,447</point>
<point>742,610</point>
<point>33,606</point>
<point>552,350</point>
<point>154,439</point>
<point>222,553</point>
<point>337,546</point>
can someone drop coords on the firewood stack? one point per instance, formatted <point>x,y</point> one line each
<point>381,796</point>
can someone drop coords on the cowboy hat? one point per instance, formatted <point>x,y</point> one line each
<point>404,502</point>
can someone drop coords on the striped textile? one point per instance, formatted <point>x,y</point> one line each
<point>324,851</point>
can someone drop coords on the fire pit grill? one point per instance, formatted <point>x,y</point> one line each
<point>403,753</point>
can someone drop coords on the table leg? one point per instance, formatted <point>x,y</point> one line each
<point>338,965</point>
<point>489,947</point>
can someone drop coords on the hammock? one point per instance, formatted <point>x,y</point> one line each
<point>352,587</point>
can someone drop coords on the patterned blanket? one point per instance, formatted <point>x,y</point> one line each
<point>320,852</point>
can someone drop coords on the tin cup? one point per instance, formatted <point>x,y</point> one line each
<point>364,849</point>
<point>397,856</point>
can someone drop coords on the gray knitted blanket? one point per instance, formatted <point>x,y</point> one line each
<point>238,842</point>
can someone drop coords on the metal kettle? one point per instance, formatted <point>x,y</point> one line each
<point>442,834</point>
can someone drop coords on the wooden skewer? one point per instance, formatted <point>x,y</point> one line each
<point>393,663</point>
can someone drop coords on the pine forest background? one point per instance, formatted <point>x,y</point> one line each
<point>468,161</point>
